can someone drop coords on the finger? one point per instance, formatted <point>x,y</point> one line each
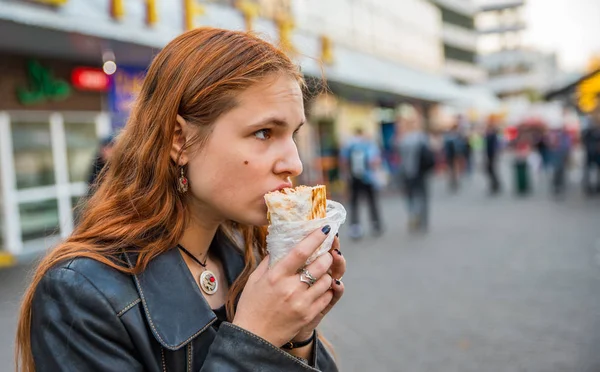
<point>320,266</point>
<point>321,286</point>
<point>338,266</point>
<point>336,243</point>
<point>322,303</point>
<point>300,253</point>
<point>337,293</point>
<point>262,268</point>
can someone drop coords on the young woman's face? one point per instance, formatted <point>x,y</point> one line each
<point>250,152</point>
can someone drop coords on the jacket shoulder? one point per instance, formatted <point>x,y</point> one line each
<point>117,287</point>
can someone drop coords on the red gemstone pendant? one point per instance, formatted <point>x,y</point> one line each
<point>208,282</point>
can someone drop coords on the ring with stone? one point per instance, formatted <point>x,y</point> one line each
<point>307,277</point>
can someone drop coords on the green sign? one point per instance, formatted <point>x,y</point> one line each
<point>42,86</point>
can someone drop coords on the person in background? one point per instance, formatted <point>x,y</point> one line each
<point>561,150</point>
<point>591,143</point>
<point>542,147</point>
<point>492,150</point>
<point>102,156</point>
<point>417,161</point>
<point>452,152</point>
<point>360,157</point>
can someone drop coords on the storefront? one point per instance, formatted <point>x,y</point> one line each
<point>49,130</point>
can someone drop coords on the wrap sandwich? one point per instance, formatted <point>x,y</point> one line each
<point>294,213</point>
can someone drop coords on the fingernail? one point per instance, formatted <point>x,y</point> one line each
<point>326,229</point>
<point>338,252</point>
<point>337,234</point>
<point>338,282</point>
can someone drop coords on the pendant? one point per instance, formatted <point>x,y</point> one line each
<point>208,282</point>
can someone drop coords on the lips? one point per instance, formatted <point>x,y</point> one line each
<point>282,186</point>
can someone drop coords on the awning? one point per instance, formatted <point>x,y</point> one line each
<point>569,88</point>
<point>88,36</point>
<point>375,73</point>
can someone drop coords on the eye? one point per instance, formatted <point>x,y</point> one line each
<point>263,134</point>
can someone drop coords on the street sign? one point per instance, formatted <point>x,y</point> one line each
<point>88,78</point>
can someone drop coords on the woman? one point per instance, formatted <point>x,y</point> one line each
<point>162,273</point>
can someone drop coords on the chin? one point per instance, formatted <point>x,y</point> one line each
<point>253,218</point>
<point>259,220</point>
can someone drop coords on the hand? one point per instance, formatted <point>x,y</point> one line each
<point>275,304</point>
<point>337,271</point>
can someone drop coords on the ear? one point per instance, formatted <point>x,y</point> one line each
<point>179,139</point>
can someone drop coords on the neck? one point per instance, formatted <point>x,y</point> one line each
<point>199,233</point>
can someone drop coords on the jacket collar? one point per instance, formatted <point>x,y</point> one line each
<point>175,309</point>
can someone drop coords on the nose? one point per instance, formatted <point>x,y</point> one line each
<point>289,163</point>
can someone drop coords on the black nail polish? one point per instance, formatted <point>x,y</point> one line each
<point>338,252</point>
<point>337,235</point>
<point>338,282</point>
<point>326,229</point>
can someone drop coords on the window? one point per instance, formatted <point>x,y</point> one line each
<point>39,219</point>
<point>2,233</point>
<point>82,144</point>
<point>32,146</point>
<point>452,17</point>
<point>459,54</point>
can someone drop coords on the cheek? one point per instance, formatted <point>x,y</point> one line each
<point>234,179</point>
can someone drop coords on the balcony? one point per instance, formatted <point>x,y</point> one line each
<point>495,5</point>
<point>464,71</point>
<point>459,37</point>
<point>500,28</point>
<point>459,6</point>
<point>519,82</point>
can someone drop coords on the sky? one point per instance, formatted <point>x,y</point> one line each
<point>569,27</point>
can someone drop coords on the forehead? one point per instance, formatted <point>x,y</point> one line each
<point>272,89</point>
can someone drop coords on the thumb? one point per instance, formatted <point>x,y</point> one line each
<point>263,267</point>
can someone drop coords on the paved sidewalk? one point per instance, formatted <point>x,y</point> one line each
<point>499,284</point>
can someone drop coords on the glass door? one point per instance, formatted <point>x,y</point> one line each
<point>35,178</point>
<point>47,157</point>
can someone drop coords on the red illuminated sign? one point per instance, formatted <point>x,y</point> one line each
<point>88,78</point>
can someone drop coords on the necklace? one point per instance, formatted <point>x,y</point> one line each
<point>208,280</point>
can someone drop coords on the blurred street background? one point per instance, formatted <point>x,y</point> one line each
<point>488,260</point>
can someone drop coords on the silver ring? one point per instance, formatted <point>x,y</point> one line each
<point>306,277</point>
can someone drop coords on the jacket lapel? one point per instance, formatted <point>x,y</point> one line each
<point>175,309</point>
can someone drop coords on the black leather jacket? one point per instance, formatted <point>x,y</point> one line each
<point>90,317</point>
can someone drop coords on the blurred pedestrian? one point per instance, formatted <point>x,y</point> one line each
<point>102,156</point>
<point>417,161</point>
<point>561,149</point>
<point>591,143</point>
<point>492,151</point>
<point>541,144</point>
<point>452,152</point>
<point>360,158</point>
<point>468,151</point>
<point>168,267</point>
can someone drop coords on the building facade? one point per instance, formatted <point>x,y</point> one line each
<point>374,55</point>
<point>514,71</point>
<point>460,40</point>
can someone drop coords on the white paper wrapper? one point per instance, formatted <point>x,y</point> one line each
<point>284,235</point>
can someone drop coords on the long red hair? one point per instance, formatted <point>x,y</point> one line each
<point>136,205</point>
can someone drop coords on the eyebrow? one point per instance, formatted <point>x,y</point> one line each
<point>275,121</point>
